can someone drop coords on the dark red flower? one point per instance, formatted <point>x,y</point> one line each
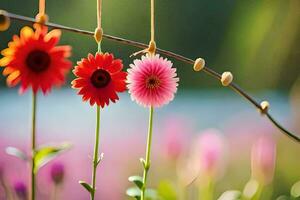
<point>100,78</point>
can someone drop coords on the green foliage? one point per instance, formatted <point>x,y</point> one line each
<point>252,190</point>
<point>166,191</point>
<point>41,157</point>
<point>134,192</point>
<point>45,154</point>
<point>231,195</point>
<point>100,158</point>
<point>295,190</point>
<point>142,160</point>
<point>137,180</point>
<point>87,186</point>
<point>13,151</point>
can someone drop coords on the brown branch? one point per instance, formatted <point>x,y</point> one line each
<point>209,71</point>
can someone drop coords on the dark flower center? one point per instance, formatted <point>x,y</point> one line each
<point>38,61</point>
<point>100,78</point>
<point>152,82</point>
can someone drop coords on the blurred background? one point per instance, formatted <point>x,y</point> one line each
<point>258,41</point>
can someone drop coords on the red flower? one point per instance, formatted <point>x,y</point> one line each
<point>34,59</point>
<point>100,77</point>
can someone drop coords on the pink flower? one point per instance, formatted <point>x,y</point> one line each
<point>152,81</point>
<point>21,190</point>
<point>263,159</point>
<point>57,173</point>
<point>210,152</point>
<point>175,137</point>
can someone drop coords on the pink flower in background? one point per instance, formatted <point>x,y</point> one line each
<point>175,135</point>
<point>209,153</point>
<point>152,81</point>
<point>57,173</point>
<point>21,190</point>
<point>263,159</point>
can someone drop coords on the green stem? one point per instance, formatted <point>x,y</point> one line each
<point>148,151</point>
<point>54,192</point>
<point>99,47</point>
<point>34,97</point>
<point>207,189</point>
<point>259,191</point>
<point>96,157</point>
<point>96,147</point>
<point>181,190</point>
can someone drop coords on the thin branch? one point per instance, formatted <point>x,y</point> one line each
<point>209,71</point>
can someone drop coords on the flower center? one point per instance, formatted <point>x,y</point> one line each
<point>100,78</point>
<point>152,82</point>
<point>38,61</point>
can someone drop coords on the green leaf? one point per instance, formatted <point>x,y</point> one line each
<point>13,151</point>
<point>166,190</point>
<point>134,192</point>
<point>46,154</point>
<point>137,180</point>
<point>100,158</point>
<point>231,195</point>
<point>295,190</point>
<point>142,160</point>
<point>87,186</point>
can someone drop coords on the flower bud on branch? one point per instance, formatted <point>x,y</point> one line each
<point>199,64</point>
<point>4,20</point>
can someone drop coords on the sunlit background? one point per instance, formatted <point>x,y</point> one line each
<point>258,41</point>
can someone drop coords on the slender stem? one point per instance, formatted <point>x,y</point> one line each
<point>42,7</point>
<point>99,21</point>
<point>99,13</point>
<point>258,193</point>
<point>99,47</point>
<point>152,22</point>
<point>96,147</point>
<point>184,59</point>
<point>181,188</point>
<point>148,151</point>
<point>33,144</point>
<point>55,191</point>
<point>206,189</point>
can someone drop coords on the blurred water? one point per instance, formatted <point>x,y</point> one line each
<point>62,114</point>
